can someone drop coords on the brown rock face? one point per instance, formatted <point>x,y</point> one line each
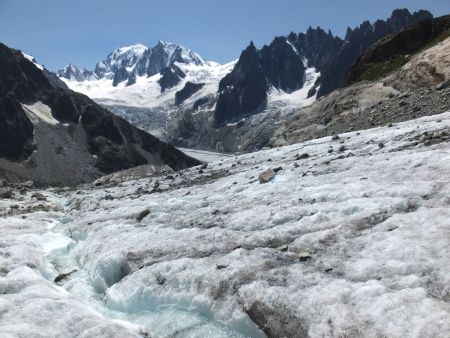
<point>401,44</point>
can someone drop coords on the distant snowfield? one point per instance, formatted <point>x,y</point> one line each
<point>352,241</point>
<point>146,92</point>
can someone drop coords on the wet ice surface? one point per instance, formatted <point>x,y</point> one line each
<point>352,242</point>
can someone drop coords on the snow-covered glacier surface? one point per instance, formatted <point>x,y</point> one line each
<point>350,238</point>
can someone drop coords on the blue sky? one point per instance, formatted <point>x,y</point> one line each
<point>83,32</point>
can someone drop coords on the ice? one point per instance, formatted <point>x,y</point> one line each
<point>53,243</point>
<point>299,98</point>
<point>39,111</point>
<point>352,243</point>
<point>32,59</point>
<point>109,270</point>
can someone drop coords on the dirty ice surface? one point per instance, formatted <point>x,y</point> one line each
<point>351,238</point>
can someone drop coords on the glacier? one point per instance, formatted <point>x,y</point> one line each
<point>350,238</point>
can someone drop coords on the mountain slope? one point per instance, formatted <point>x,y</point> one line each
<point>417,88</point>
<point>395,50</point>
<point>52,135</point>
<point>361,38</point>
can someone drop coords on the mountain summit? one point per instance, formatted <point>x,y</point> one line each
<point>125,64</point>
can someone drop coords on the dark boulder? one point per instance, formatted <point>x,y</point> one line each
<point>142,215</point>
<point>6,193</point>
<point>200,102</point>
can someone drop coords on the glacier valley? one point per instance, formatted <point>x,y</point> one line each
<point>349,237</point>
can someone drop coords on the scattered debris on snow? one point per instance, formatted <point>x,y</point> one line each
<point>334,246</point>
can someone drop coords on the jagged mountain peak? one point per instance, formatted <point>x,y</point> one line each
<point>177,53</point>
<point>74,73</point>
<point>120,60</point>
<point>283,63</point>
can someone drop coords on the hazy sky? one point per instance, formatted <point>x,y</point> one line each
<point>83,32</point>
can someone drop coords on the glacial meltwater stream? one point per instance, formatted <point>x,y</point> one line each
<point>149,320</point>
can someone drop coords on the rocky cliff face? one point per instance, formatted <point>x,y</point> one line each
<point>317,46</point>
<point>282,64</point>
<point>55,136</point>
<point>244,89</point>
<point>170,77</point>
<point>418,88</point>
<point>188,90</point>
<point>395,49</point>
<point>358,40</point>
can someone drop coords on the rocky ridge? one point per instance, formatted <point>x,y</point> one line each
<point>283,63</point>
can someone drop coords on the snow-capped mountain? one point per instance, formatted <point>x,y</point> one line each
<point>145,85</point>
<point>159,88</point>
<point>130,62</point>
<point>165,54</point>
<point>123,57</point>
<point>193,102</point>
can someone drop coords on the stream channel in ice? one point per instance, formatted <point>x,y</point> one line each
<point>166,320</point>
